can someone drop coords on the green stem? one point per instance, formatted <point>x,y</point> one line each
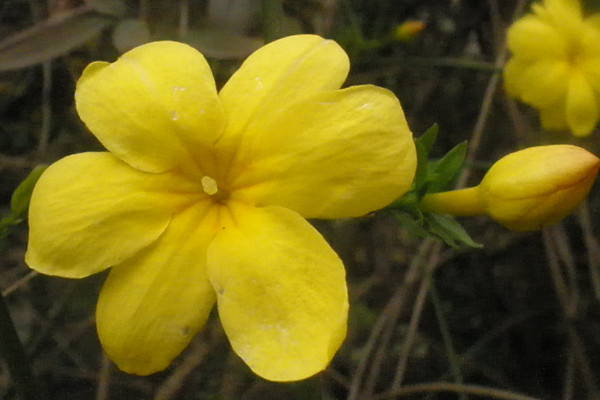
<point>459,63</point>
<point>13,354</point>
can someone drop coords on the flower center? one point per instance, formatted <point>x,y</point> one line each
<point>210,187</point>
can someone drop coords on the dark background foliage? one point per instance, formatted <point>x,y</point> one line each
<point>520,316</point>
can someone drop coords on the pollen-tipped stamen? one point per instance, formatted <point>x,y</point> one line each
<point>210,187</point>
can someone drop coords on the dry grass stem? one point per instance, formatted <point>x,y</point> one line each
<point>434,387</point>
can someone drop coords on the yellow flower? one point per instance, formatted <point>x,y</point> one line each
<point>201,198</point>
<point>525,190</point>
<point>556,65</point>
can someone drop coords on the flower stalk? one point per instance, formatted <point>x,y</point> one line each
<point>525,190</point>
<point>461,202</point>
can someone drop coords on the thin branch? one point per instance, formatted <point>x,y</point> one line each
<point>455,388</point>
<point>569,312</point>
<point>46,109</point>
<point>453,358</point>
<point>486,106</point>
<point>19,283</point>
<point>169,388</point>
<point>569,383</point>
<point>409,338</point>
<point>592,247</point>
<point>184,18</point>
<point>389,315</point>
<point>13,354</point>
<point>272,11</point>
<point>103,389</point>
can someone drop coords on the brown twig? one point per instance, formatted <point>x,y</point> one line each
<point>46,109</point>
<point>486,105</point>
<point>415,318</point>
<point>103,389</point>
<point>569,383</point>
<point>568,306</point>
<point>592,247</point>
<point>452,387</point>
<point>564,252</point>
<point>19,283</point>
<point>184,18</point>
<point>169,388</point>
<point>16,162</point>
<point>562,291</point>
<point>389,315</point>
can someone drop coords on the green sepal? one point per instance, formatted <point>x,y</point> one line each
<point>442,227</point>
<point>19,202</point>
<point>432,177</point>
<point>450,231</point>
<point>428,138</point>
<point>423,146</point>
<point>442,173</point>
<point>413,224</point>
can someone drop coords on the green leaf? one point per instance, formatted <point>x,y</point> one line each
<point>443,172</point>
<point>450,231</point>
<point>51,38</point>
<point>19,202</point>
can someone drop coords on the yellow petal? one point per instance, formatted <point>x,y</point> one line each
<point>513,76</point>
<point>544,83</point>
<point>338,154</point>
<point>537,171</point>
<point>530,214</point>
<point>282,72</point>
<point>531,38</point>
<point>554,117</point>
<point>564,9</point>
<point>561,8</point>
<point>152,305</point>
<point>590,41</point>
<point>90,211</point>
<point>565,15</point>
<point>590,68</point>
<point>152,107</point>
<point>582,106</point>
<point>281,292</point>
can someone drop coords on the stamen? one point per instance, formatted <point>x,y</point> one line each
<point>209,185</point>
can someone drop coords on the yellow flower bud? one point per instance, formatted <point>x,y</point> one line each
<point>525,190</point>
<point>538,186</point>
<point>408,30</point>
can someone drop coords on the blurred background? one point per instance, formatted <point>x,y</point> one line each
<point>520,316</point>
